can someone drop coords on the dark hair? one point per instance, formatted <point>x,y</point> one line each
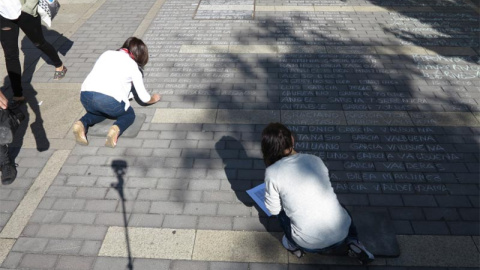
<point>276,138</point>
<point>138,50</point>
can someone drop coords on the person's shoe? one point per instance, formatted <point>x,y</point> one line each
<point>112,136</point>
<point>9,173</point>
<point>292,248</point>
<point>357,250</point>
<point>58,75</point>
<point>79,132</point>
<point>16,102</point>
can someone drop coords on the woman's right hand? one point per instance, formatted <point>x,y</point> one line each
<point>154,99</point>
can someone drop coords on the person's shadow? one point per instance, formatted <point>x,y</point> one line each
<point>31,57</point>
<point>238,184</point>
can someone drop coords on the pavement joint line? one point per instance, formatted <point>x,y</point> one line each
<point>5,247</point>
<point>148,19</point>
<point>249,246</point>
<point>307,49</point>
<point>30,201</point>
<point>357,9</point>
<point>315,117</point>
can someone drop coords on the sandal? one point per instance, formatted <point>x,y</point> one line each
<point>60,74</point>
<point>79,132</point>
<point>112,136</point>
<point>16,102</point>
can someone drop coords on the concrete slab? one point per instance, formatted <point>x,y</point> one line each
<point>239,246</point>
<point>395,50</point>
<point>269,49</point>
<point>5,247</point>
<point>204,49</point>
<point>225,7</point>
<point>350,50</point>
<point>377,232</point>
<point>313,117</point>
<point>453,51</point>
<point>264,8</point>
<point>247,116</point>
<point>301,49</point>
<point>295,8</point>
<point>149,243</point>
<point>378,118</point>
<point>184,116</point>
<point>101,129</point>
<point>444,119</point>
<point>29,203</point>
<point>436,251</point>
<point>334,8</point>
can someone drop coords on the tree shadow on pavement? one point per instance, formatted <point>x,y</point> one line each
<point>120,168</point>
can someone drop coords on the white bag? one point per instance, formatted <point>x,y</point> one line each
<point>48,9</point>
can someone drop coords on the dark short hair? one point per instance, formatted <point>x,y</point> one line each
<point>138,49</point>
<point>276,138</point>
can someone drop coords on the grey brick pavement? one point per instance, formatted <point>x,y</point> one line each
<point>193,176</point>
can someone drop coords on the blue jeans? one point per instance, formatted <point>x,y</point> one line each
<point>100,107</point>
<point>335,249</point>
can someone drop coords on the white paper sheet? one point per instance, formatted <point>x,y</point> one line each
<point>258,195</point>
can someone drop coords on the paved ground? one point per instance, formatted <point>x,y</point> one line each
<point>386,92</point>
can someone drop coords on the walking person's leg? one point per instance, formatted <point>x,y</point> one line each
<point>9,32</point>
<point>32,27</point>
<point>9,171</point>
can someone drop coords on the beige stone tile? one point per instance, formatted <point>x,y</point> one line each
<point>395,50</point>
<point>294,8</point>
<point>264,8</point>
<point>5,247</point>
<point>311,117</point>
<point>378,118</point>
<point>154,243</point>
<point>184,116</point>
<point>301,49</point>
<point>334,8</point>
<point>350,49</point>
<point>247,116</point>
<point>252,49</point>
<point>370,9</point>
<point>445,119</point>
<point>225,7</point>
<point>436,251</point>
<point>239,246</point>
<point>450,51</point>
<point>204,49</point>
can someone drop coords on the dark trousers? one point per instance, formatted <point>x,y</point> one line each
<point>337,248</point>
<point>4,158</point>
<point>32,28</point>
<point>100,106</point>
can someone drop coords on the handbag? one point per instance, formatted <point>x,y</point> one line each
<point>9,123</point>
<point>48,9</point>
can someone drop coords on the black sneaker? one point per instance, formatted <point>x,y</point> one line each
<point>358,250</point>
<point>9,173</point>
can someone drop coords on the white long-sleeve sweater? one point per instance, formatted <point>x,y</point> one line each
<point>113,75</point>
<point>300,185</point>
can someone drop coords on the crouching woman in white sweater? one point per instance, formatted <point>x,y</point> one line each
<point>299,193</point>
<point>107,88</point>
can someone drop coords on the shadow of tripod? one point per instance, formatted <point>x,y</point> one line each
<point>120,168</point>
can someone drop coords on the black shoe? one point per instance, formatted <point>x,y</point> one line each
<point>358,250</point>
<point>9,173</point>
